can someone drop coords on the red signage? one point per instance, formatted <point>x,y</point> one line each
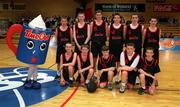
<point>41,36</point>
<point>166,8</point>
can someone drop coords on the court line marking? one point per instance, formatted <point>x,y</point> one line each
<point>71,95</point>
<point>19,97</point>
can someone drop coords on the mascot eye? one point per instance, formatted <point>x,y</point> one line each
<point>43,46</point>
<point>30,45</point>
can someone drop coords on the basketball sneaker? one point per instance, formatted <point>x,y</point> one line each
<point>141,91</point>
<point>122,88</point>
<point>36,85</point>
<point>110,87</point>
<point>28,84</point>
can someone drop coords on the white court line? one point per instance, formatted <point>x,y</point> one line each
<point>22,71</point>
<point>19,97</point>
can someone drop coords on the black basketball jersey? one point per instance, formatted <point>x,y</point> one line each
<point>127,61</point>
<point>81,33</point>
<point>150,67</point>
<point>116,35</point>
<point>106,63</point>
<point>99,32</point>
<point>63,36</point>
<point>86,63</point>
<point>69,60</point>
<point>134,35</point>
<point>152,38</point>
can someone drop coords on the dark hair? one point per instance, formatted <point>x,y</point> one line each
<point>130,44</point>
<point>116,14</point>
<point>98,11</point>
<point>150,48</point>
<point>105,48</point>
<point>73,43</point>
<point>68,43</point>
<point>63,17</point>
<point>85,46</point>
<point>81,13</point>
<point>134,14</point>
<point>153,18</point>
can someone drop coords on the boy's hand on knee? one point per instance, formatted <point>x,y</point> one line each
<point>62,82</point>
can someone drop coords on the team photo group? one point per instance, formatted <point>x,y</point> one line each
<point>99,51</point>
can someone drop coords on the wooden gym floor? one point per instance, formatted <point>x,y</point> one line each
<point>168,94</point>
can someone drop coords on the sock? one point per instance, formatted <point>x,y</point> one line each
<point>143,87</point>
<point>123,83</point>
<point>71,78</point>
<point>87,81</point>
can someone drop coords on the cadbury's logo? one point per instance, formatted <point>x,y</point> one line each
<point>41,36</point>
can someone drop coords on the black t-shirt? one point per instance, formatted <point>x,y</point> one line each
<point>150,67</point>
<point>106,63</point>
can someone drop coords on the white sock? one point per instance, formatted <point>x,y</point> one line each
<point>124,84</point>
<point>87,81</point>
<point>71,78</point>
<point>143,87</point>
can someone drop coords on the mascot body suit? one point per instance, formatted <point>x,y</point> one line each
<point>32,47</point>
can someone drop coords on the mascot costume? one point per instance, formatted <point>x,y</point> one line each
<point>32,47</point>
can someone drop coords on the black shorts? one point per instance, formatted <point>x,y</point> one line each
<point>104,76</point>
<point>148,81</point>
<point>85,74</point>
<point>66,73</point>
<point>96,48</point>
<point>59,51</point>
<point>132,77</point>
<point>116,49</point>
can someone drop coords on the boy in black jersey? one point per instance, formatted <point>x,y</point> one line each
<point>134,32</point>
<point>67,65</point>
<point>81,33</point>
<point>151,38</point>
<point>98,34</point>
<point>117,35</point>
<point>106,68</point>
<point>85,65</point>
<point>148,72</point>
<point>116,39</point>
<point>129,60</point>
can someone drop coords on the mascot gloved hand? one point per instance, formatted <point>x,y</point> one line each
<point>32,48</point>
